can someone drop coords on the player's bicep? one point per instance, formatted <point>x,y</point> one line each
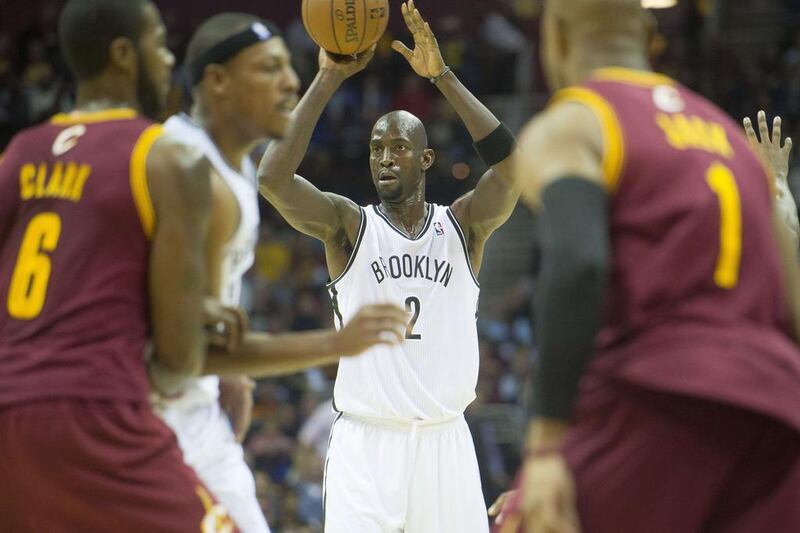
<point>179,182</point>
<point>564,141</point>
<point>307,209</point>
<point>490,204</point>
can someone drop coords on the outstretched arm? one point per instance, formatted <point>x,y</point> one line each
<point>263,355</point>
<point>483,210</point>
<point>566,185</point>
<point>305,207</point>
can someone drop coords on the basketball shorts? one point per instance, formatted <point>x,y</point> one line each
<point>387,477</point>
<point>663,463</point>
<point>210,448</point>
<point>78,465</point>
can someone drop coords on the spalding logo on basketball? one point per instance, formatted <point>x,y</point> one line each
<point>345,26</point>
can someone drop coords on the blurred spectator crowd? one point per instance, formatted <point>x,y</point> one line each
<point>285,290</point>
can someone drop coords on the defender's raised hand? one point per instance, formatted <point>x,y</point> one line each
<point>775,155</point>
<point>425,59</point>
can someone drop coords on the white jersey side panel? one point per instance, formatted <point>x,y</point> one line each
<point>432,374</point>
<point>239,251</point>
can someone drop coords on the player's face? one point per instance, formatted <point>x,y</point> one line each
<point>398,166</point>
<point>155,64</point>
<point>263,88</point>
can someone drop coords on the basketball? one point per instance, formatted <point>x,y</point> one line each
<point>345,26</point>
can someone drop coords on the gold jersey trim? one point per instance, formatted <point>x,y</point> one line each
<point>613,140</point>
<point>139,187</point>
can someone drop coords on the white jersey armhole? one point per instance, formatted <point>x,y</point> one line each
<point>362,228</point>
<point>457,226</point>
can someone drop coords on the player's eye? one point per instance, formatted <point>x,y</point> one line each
<point>401,147</point>
<point>376,150</point>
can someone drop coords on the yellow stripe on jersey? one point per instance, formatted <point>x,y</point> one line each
<point>139,187</point>
<point>613,141</point>
<point>641,78</point>
<point>90,117</point>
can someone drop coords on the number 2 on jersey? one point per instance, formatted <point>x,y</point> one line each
<point>31,275</point>
<point>721,180</point>
<point>412,301</point>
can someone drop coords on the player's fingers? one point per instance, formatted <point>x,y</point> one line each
<point>429,33</point>
<point>510,523</point>
<point>418,21</point>
<point>787,146</point>
<point>402,49</point>
<point>763,129</point>
<point>776,131</point>
<point>749,131</point>
<point>407,17</point>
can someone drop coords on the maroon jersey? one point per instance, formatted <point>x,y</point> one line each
<point>696,302</point>
<point>75,218</point>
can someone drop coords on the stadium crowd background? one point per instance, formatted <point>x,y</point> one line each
<point>743,54</point>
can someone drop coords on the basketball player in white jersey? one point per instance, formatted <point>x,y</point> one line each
<point>401,456</point>
<point>244,89</point>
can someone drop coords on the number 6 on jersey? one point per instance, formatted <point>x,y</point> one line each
<point>32,272</point>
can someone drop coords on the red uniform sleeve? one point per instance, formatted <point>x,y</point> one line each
<point>9,191</point>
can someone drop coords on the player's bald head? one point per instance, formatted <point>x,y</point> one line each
<point>404,123</point>
<point>599,17</point>
<point>582,35</point>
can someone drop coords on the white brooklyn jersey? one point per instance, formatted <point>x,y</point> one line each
<point>239,251</point>
<point>432,374</point>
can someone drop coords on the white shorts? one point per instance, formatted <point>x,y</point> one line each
<point>210,448</point>
<point>386,477</point>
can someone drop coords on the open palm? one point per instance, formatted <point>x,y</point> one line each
<point>425,59</point>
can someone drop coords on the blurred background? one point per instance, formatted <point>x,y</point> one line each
<point>742,54</point>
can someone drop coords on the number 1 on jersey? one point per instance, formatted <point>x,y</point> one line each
<point>721,180</point>
<point>412,301</point>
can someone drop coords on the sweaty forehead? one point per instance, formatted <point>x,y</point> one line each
<point>400,125</point>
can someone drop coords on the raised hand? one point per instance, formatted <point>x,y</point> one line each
<point>425,59</point>
<point>345,66</point>
<point>770,148</point>
<point>373,324</point>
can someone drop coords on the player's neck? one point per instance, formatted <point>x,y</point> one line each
<point>409,215</point>
<point>104,93</point>
<point>233,146</point>
<point>634,59</point>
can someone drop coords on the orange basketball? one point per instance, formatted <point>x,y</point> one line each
<point>345,26</point>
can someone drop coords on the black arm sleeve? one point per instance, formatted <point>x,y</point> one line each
<point>573,235</point>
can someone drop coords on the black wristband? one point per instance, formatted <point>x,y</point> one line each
<point>570,290</point>
<point>496,146</point>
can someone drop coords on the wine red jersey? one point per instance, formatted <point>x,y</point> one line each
<point>696,302</point>
<point>75,219</point>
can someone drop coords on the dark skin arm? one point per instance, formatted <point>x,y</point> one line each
<point>488,206</point>
<point>181,196</point>
<point>571,137</point>
<point>263,355</point>
<point>331,218</point>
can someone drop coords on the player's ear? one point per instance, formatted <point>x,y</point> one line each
<point>428,157</point>
<point>216,78</point>
<point>123,55</point>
